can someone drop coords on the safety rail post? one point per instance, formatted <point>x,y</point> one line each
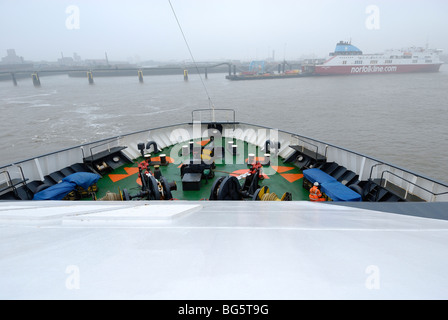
<point>22,174</point>
<point>371,169</point>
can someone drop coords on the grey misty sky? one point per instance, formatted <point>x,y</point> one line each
<point>216,29</point>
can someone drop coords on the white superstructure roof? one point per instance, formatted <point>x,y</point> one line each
<point>218,250</point>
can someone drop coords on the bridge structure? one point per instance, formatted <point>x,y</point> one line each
<point>110,71</point>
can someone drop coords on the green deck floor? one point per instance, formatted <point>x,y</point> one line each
<point>281,177</point>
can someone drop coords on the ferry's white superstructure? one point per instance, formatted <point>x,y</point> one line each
<point>348,59</point>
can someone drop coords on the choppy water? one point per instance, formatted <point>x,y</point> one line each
<point>399,118</point>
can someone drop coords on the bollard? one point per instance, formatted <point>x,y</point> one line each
<point>251,159</point>
<point>185,150</point>
<point>157,172</point>
<point>163,159</point>
<point>140,76</point>
<point>36,80</point>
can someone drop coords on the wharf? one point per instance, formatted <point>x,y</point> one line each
<point>267,76</point>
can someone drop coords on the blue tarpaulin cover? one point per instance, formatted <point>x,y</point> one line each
<point>330,186</point>
<point>82,179</point>
<point>68,184</point>
<point>55,192</point>
<point>338,192</point>
<point>313,175</point>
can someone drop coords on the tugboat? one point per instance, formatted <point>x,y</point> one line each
<point>348,59</point>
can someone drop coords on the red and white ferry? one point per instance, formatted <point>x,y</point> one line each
<point>348,59</point>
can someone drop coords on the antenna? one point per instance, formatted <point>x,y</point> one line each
<point>194,61</point>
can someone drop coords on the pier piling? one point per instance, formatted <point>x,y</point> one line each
<point>140,76</point>
<point>90,77</point>
<point>13,77</point>
<point>36,80</point>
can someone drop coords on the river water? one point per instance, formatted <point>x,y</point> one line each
<point>399,118</point>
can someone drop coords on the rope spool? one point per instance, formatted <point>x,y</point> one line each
<point>270,197</point>
<point>273,197</point>
<point>111,197</point>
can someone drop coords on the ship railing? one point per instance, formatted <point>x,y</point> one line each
<point>109,145</point>
<point>384,182</point>
<point>404,187</point>
<point>210,116</point>
<point>8,183</point>
<point>311,145</point>
<point>37,167</point>
<point>362,164</point>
